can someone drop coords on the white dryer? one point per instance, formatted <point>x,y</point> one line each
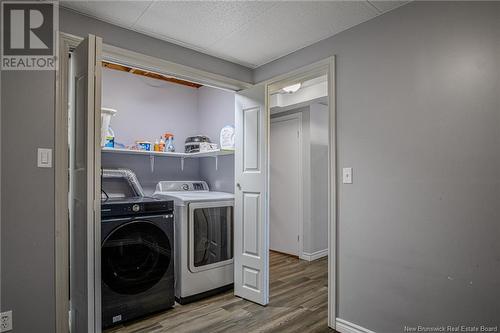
<point>203,222</point>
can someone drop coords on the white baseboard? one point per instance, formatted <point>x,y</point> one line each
<point>343,326</point>
<point>315,255</point>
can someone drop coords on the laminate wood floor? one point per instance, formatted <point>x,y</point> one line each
<point>298,303</point>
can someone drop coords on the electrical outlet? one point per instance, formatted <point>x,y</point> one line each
<point>6,321</point>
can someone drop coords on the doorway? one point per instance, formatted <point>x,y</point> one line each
<point>298,196</point>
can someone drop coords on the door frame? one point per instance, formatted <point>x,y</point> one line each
<point>322,67</point>
<point>67,42</point>
<point>278,118</point>
<point>61,184</point>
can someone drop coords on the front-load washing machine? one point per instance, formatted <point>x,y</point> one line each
<point>137,258</point>
<point>203,238</point>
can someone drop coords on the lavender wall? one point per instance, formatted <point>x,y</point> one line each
<point>216,110</point>
<point>148,108</point>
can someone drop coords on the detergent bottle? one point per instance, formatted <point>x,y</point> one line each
<point>110,138</point>
<point>161,145</point>
<point>169,145</point>
<point>157,145</point>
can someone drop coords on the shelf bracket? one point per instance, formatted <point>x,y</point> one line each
<point>182,163</point>
<point>152,162</point>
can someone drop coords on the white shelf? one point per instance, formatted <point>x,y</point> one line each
<point>182,156</point>
<point>167,154</point>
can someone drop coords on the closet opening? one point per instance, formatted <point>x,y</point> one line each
<point>167,193</point>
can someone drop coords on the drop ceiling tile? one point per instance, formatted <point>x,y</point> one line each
<point>79,6</point>
<point>346,14</point>
<point>384,6</point>
<point>122,13</point>
<point>290,26</point>
<point>198,24</point>
<point>250,33</point>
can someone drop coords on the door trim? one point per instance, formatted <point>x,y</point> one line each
<point>97,187</point>
<point>61,204</point>
<point>325,66</point>
<point>298,116</point>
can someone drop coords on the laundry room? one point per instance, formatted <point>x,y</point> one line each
<point>167,149</point>
<point>152,119</point>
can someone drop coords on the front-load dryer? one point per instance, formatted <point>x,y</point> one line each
<point>137,258</point>
<point>203,238</point>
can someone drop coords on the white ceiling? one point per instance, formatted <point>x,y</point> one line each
<point>250,33</point>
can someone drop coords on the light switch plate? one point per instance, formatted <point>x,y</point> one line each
<point>347,175</point>
<point>6,321</point>
<point>44,158</point>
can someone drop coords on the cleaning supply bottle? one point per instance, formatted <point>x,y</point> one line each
<point>161,145</point>
<point>110,138</point>
<point>157,145</point>
<point>170,142</point>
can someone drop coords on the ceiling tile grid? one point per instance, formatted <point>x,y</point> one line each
<point>122,13</point>
<point>250,33</point>
<point>291,26</point>
<point>198,23</point>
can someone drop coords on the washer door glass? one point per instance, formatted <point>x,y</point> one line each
<point>134,257</point>
<point>212,236</point>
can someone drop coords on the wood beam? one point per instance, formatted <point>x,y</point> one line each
<point>151,75</point>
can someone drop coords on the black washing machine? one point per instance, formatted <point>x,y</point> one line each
<point>137,259</point>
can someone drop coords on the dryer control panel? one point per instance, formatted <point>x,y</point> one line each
<point>136,206</point>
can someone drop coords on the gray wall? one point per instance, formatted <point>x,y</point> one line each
<point>418,120</point>
<point>216,110</point>
<point>27,237</point>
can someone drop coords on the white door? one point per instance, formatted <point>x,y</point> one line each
<point>251,257</point>
<point>85,246</point>
<point>285,198</point>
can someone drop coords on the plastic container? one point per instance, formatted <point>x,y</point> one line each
<point>227,137</point>
<point>110,139</point>
<point>106,114</point>
<point>162,144</point>
<point>169,145</point>
<point>144,145</point>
